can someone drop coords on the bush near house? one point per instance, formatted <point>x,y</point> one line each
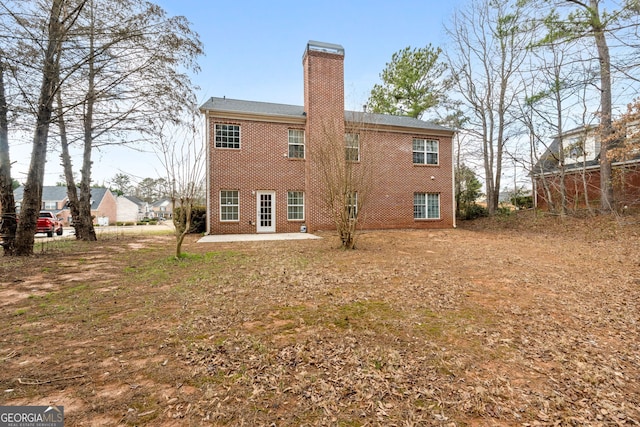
<point>198,219</point>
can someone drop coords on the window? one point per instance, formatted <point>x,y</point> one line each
<point>229,205</point>
<point>295,205</point>
<point>296,144</point>
<point>50,206</point>
<point>227,136</point>
<point>425,152</point>
<point>352,206</point>
<point>426,206</point>
<point>352,147</point>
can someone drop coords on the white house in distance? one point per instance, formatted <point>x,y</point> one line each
<point>131,209</point>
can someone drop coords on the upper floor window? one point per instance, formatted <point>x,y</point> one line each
<point>425,152</point>
<point>227,136</point>
<point>50,206</point>
<point>296,144</point>
<point>352,147</point>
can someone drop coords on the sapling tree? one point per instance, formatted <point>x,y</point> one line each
<point>345,164</point>
<point>184,162</point>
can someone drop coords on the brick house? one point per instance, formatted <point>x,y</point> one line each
<point>262,175</point>
<point>55,199</point>
<point>582,174</point>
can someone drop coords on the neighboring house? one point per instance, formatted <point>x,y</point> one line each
<point>103,206</point>
<point>130,209</point>
<point>582,173</point>
<point>54,199</point>
<point>162,209</point>
<point>262,175</point>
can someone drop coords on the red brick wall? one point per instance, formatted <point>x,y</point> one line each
<point>107,207</point>
<point>397,179</point>
<point>626,189</point>
<point>261,163</point>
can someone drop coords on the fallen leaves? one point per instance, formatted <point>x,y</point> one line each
<point>415,328</point>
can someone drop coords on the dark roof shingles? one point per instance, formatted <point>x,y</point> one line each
<point>271,109</point>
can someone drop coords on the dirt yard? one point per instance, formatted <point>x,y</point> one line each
<point>517,322</point>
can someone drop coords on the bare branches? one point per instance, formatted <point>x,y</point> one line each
<point>345,165</point>
<point>183,159</point>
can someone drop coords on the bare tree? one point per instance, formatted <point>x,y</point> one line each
<point>488,50</point>
<point>184,161</point>
<point>345,164</point>
<point>132,80</point>
<point>587,20</point>
<point>8,222</point>
<point>62,16</point>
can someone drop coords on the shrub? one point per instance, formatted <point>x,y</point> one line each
<point>198,219</point>
<point>504,210</point>
<point>473,211</point>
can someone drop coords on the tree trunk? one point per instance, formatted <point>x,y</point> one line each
<point>8,220</point>
<point>85,219</point>
<point>185,212</point>
<point>32,199</point>
<point>72,191</point>
<point>606,128</point>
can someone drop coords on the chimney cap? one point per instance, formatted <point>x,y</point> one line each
<point>325,47</point>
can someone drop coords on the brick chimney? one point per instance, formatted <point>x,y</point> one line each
<point>323,84</point>
<point>323,65</point>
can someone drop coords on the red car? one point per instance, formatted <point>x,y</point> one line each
<point>48,223</point>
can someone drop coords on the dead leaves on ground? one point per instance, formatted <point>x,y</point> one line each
<point>415,328</point>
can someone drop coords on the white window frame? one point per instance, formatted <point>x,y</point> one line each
<point>50,206</point>
<point>296,140</point>
<point>295,205</point>
<point>230,205</point>
<point>223,129</point>
<point>352,205</point>
<point>426,151</point>
<point>426,206</point>
<point>351,143</point>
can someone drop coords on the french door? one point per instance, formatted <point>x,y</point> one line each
<point>266,211</point>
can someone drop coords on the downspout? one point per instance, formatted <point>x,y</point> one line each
<point>453,182</point>
<point>208,174</point>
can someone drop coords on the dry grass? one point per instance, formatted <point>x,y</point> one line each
<point>527,321</point>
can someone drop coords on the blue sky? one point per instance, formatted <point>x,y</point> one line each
<point>253,51</point>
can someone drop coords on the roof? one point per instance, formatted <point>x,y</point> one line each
<point>392,120</point>
<point>51,193</point>
<point>135,200</point>
<point>161,202</point>
<point>252,107</point>
<point>97,194</point>
<point>297,111</point>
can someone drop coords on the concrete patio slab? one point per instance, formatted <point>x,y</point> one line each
<point>225,238</point>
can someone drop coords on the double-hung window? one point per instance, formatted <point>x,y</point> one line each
<point>227,136</point>
<point>352,147</point>
<point>426,206</point>
<point>296,144</point>
<point>295,205</point>
<point>229,205</point>
<point>425,152</point>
